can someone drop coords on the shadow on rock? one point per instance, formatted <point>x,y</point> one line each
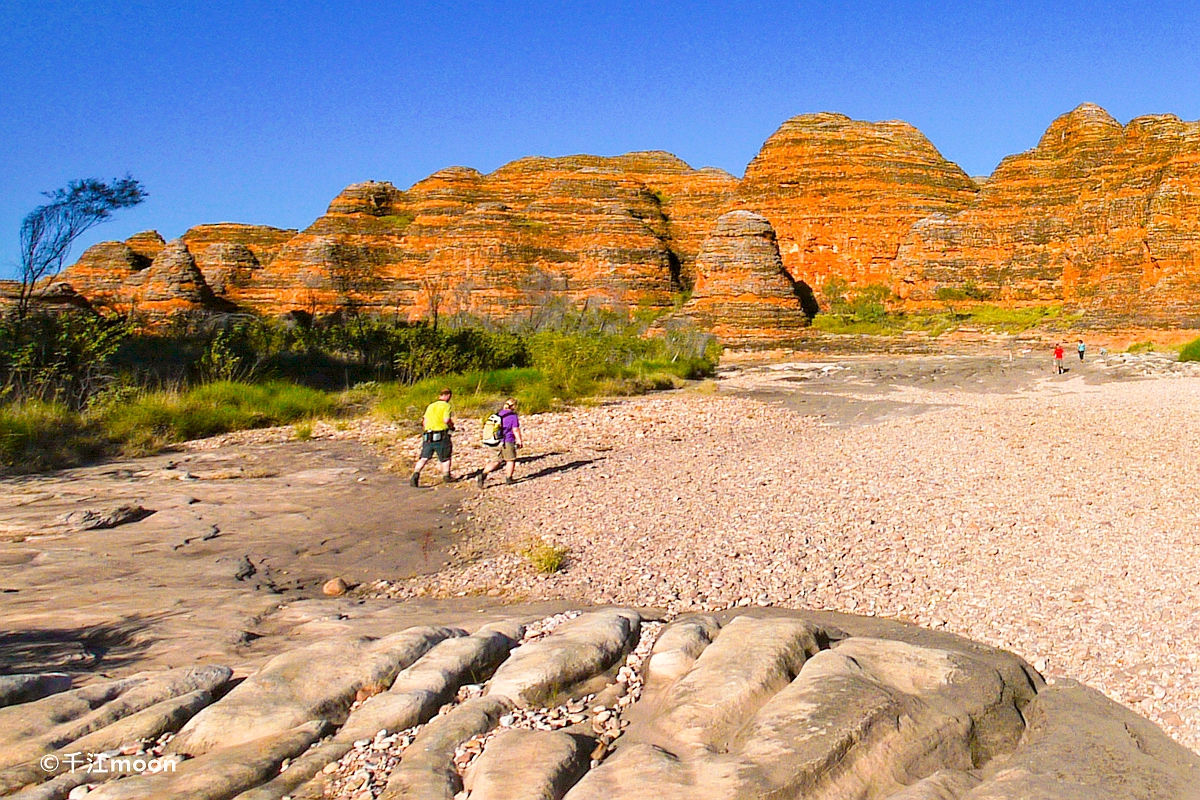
<point>73,650</point>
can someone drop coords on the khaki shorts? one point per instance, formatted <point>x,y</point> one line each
<point>505,451</point>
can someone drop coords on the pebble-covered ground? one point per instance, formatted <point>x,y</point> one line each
<point>1059,520</point>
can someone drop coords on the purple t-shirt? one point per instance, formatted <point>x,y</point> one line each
<point>508,425</point>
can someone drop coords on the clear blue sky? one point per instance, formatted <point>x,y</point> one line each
<point>256,112</point>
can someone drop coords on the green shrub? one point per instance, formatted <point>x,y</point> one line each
<point>1190,351</point>
<point>968,291</point>
<point>58,357</point>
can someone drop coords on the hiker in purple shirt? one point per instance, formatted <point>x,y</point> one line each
<point>510,440</point>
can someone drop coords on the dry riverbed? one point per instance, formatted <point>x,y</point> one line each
<point>1053,516</point>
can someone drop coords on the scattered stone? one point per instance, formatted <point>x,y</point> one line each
<point>335,587</point>
<point>88,520</point>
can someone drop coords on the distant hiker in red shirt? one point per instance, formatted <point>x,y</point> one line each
<point>1058,358</point>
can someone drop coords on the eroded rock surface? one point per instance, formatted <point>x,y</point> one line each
<point>1100,215</point>
<point>762,704</point>
<point>843,193</point>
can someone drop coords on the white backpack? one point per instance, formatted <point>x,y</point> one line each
<point>492,427</point>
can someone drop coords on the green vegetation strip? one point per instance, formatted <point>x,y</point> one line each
<point>65,401</point>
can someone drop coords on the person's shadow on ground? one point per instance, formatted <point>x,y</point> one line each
<point>544,471</point>
<point>570,465</point>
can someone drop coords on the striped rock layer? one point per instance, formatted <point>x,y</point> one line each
<point>1102,217</point>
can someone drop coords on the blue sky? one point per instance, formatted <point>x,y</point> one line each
<point>257,112</point>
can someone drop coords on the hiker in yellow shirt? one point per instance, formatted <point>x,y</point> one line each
<point>436,438</point>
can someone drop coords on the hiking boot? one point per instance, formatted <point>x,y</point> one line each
<point>508,481</point>
<point>480,478</point>
<point>412,479</point>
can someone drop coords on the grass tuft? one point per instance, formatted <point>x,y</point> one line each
<point>544,557</point>
<point>1190,351</point>
<point>37,436</point>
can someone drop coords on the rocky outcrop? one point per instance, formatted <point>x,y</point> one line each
<point>749,704</point>
<point>580,230</point>
<point>103,272</point>
<point>842,194</point>
<point>172,283</point>
<point>1101,216</point>
<point>742,292</point>
<point>228,254</point>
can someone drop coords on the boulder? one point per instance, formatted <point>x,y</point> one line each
<point>16,689</point>
<point>529,765</point>
<point>320,681</point>
<point>577,650</point>
<point>219,775</point>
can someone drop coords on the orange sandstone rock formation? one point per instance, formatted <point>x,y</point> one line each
<point>743,294</point>
<point>842,194</point>
<point>171,283</point>
<point>581,229</point>
<point>1101,216</point>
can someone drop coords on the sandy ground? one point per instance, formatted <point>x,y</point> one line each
<point>1055,516</point>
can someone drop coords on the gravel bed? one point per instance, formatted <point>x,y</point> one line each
<point>1060,521</point>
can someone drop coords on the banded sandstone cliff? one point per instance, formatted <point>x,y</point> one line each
<point>1102,217</point>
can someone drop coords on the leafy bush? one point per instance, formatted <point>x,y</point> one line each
<point>863,305</point>
<point>58,358</point>
<point>968,291</point>
<point>1190,351</point>
<point>87,384</point>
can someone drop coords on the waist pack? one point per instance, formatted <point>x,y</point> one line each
<point>436,436</point>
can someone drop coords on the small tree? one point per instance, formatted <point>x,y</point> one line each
<point>48,232</point>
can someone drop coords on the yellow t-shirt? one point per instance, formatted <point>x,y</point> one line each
<point>437,416</point>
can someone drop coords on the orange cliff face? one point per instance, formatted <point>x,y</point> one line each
<point>612,231</point>
<point>1103,217</point>
<point>842,194</point>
